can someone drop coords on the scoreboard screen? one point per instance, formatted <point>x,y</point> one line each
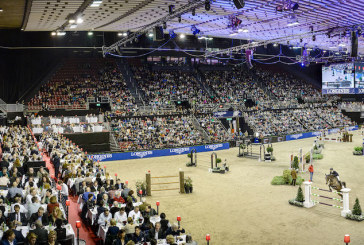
<point>338,79</point>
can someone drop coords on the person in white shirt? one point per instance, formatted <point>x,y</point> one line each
<point>34,206</point>
<point>104,217</point>
<point>120,216</point>
<point>64,190</point>
<point>18,202</point>
<point>135,214</point>
<point>33,193</point>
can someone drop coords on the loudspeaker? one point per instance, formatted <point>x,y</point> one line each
<point>158,33</point>
<point>239,4</point>
<point>354,44</point>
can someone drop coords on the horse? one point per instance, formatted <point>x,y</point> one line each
<point>334,183</point>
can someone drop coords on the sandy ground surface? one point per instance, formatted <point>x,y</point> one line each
<point>242,207</point>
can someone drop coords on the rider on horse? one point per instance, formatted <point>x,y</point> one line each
<point>335,174</point>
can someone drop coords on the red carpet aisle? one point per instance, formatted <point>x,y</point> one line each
<point>85,232</point>
<point>73,216</point>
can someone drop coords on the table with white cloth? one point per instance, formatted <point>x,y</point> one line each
<point>58,130</point>
<point>37,130</point>
<point>97,128</point>
<point>91,119</point>
<point>77,129</point>
<point>73,120</point>
<point>37,121</point>
<point>56,121</point>
<point>92,213</point>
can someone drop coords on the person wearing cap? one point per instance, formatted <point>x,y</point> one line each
<point>334,173</point>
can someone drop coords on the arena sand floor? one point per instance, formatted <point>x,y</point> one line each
<point>242,207</point>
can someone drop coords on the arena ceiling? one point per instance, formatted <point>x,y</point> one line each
<point>12,14</point>
<point>260,20</point>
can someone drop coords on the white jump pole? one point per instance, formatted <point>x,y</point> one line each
<point>308,202</point>
<point>346,209</point>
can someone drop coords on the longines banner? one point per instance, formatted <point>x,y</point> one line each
<point>343,91</point>
<point>317,133</point>
<point>158,153</point>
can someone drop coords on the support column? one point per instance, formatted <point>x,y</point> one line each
<point>149,186</point>
<point>181,181</point>
<point>308,203</point>
<point>346,208</point>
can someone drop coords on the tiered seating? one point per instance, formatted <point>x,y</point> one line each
<point>156,133</point>
<point>79,79</point>
<point>164,87</point>
<point>232,85</point>
<point>214,128</point>
<point>282,122</point>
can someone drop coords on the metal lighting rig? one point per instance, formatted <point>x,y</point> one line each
<point>193,4</point>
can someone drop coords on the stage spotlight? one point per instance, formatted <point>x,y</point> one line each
<point>172,34</point>
<point>182,36</point>
<point>179,19</point>
<point>194,30</point>
<point>193,12</point>
<point>207,5</point>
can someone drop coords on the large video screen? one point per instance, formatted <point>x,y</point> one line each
<point>338,79</point>
<point>359,78</point>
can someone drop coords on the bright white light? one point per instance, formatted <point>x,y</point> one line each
<point>90,33</point>
<point>150,35</point>
<point>293,23</point>
<point>342,44</point>
<point>332,47</point>
<point>71,21</point>
<point>125,34</point>
<point>1,10</point>
<point>254,42</point>
<point>182,36</point>
<point>275,45</point>
<point>233,34</point>
<point>61,33</point>
<point>243,30</point>
<point>53,33</point>
<point>210,38</point>
<point>79,20</point>
<point>296,47</point>
<point>120,34</point>
<point>73,26</point>
<point>96,3</point>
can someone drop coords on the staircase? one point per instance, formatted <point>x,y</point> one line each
<point>114,147</point>
<point>113,144</point>
<point>245,126</point>
<point>202,82</point>
<point>131,83</point>
<point>197,125</point>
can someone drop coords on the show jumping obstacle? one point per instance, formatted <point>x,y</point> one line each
<point>308,203</point>
<point>248,151</point>
<point>301,163</point>
<point>181,188</point>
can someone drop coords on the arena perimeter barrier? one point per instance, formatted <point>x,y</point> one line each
<point>308,203</point>
<point>157,153</point>
<point>318,133</point>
